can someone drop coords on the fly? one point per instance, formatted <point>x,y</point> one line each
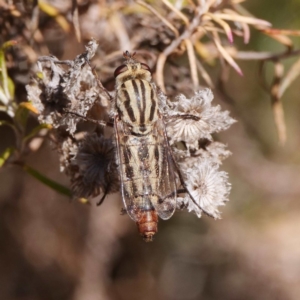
<point>146,169</point>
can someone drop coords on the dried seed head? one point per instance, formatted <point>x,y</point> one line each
<point>97,169</point>
<point>46,93</point>
<point>67,148</point>
<point>66,86</point>
<point>190,125</point>
<point>205,120</point>
<point>208,186</point>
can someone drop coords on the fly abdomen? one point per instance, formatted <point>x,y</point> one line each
<point>147,225</point>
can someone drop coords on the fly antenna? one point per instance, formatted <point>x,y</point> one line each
<point>129,56</point>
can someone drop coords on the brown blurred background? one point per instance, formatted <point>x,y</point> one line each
<point>54,249</point>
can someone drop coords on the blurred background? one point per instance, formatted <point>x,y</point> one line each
<point>52,248</point>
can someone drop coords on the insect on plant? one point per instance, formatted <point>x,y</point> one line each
<point>142,158</point>
<point>146,164</point>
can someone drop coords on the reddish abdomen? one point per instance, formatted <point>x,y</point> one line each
<point>147,225</point>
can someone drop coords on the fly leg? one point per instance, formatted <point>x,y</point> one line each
<point>185,117</point>
<point>123,211</point>
<point>98,122</point>
<point>100,83</point>
<point>104,196</point>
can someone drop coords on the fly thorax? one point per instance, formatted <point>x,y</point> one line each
<point>137,104</point>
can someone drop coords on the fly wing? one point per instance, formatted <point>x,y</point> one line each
<point>146,171</point>
<point>136,197</point>
<point>165,202</point>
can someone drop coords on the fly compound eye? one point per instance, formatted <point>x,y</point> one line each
<point>120,70</point>
<point>146,67</point>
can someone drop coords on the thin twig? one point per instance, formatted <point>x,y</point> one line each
<point>162,18</point>
<point>193,62</point>
<point>225,54</point>
<point>223,24</point>
<point>204,74</point>
<point>246,32</point>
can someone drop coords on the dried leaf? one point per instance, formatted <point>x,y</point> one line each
<point>284,40</point>
<point>253,55</point>
<point>162,18</point>
<point>3,99</point>
<point>192,62</point>
<point>160,71</point>
<point>232,16</point>
<point>278,113</point>
<point>53,12</point>
<point>34,22</point>
<point>227,57</point>
<point>205,75</point>
<point>276,31</point>
<point>29,106</point>
<point>4,77</point>
<point>75,19</point>
<point>8,44</point>
<point>223,24</point>
<point>135,8</point>
<point>176,11</point>
<point>246,31</point>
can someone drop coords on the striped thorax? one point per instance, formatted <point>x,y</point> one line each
<point>136,100</point>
